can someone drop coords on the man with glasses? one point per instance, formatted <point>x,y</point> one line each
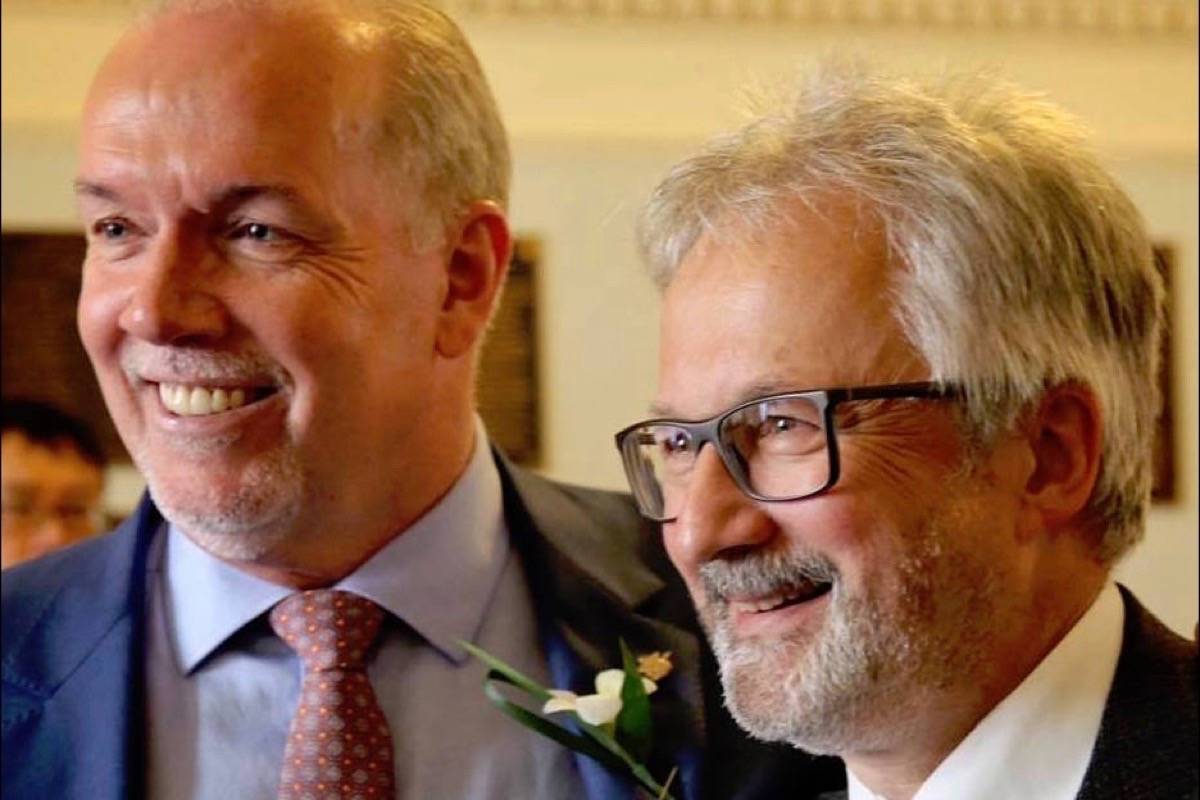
<point>902,434</point>
<point>51,480</point>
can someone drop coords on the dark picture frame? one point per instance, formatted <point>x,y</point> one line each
<point>1163,488</point>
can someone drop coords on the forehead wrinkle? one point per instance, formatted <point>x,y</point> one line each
<point>138,133</point>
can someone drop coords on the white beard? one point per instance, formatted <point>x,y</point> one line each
<point>860,681</point>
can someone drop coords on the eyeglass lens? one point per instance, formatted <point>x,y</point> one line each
<point>775,448</point>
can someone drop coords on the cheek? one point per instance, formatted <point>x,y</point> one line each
<point>686,566</point>
<point>849,528</point>
<point>100,303</point>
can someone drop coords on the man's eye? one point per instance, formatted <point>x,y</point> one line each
<point>773,426</point>
<point>675,443</point>
<point>71,512</point>
<point>17,508</point>
<point>111,229</point>
<point>256,232</point>
<point>787,435</point>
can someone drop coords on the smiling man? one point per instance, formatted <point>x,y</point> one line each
<point>903,429</point>
<point>295,214</point>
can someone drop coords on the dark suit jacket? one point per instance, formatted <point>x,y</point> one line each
<point>1146,748</point>
<point>73,656</point>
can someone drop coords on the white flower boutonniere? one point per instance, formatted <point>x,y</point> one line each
<point>611,726</point>
<point>600,708</point>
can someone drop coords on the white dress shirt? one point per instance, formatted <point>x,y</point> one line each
<point>1037,742</point>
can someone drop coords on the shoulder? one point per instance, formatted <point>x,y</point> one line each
<point>1154,660</point>
<point>55,598</point>
<point>614,508</point>
<point>595,521</point>
<point>28,587</point>
<point>1149,732</point>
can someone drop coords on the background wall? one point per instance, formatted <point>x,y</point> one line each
<point>600,104</point>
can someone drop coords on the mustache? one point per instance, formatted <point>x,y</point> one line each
<point>762,573</point>
<point>139,359</point>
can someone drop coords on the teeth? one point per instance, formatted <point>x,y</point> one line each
<point>771,602</point>
<point>200,402</point>
<point>768,603</point>
<point>191,401</point>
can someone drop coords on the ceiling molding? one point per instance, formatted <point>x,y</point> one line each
<point>1157,18</point>
<point>1141,18</point>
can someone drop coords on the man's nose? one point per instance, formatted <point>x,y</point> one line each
<point>53,531</point>
<point>172,299</point>
<point>717,517</point>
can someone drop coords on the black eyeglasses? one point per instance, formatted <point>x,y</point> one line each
<point>777,448</point>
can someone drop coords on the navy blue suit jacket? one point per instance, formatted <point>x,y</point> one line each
<point>73,654</point>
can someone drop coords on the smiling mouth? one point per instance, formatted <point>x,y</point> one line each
<point>793,595</point>
<point>186,400</point>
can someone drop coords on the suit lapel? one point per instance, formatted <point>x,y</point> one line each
<point>1147,741</point>
<point>73,696</point>
<point>586,556</point>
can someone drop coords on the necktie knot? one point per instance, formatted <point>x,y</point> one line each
<point>328,628</point>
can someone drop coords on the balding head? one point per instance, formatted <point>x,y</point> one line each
<point>434,119</point>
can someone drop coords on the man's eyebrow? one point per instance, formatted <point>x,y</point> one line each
<point>230,196</point>
<point>656,410</point>
<point>761,388</point>
<point>86,188</point>
<point>242,193</point>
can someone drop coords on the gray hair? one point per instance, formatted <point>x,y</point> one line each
<point>1023,264</point>
<point>439,122</point>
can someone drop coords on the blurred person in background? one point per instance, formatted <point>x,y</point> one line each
<point>52,479</point>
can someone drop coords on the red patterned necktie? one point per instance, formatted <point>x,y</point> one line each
<point>339,746</point>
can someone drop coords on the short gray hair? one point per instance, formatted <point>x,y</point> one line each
<point>1023,264</point>
<point>439,122</point>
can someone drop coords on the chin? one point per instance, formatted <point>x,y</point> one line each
<point>822,691</point>
<point>242,521</point>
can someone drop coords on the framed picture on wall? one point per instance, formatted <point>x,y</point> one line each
<point>1164,489</point>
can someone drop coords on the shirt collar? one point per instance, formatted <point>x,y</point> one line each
<point>1048,724</point>
<point>439,576</point>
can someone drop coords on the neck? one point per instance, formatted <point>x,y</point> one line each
<point>938,719</point>
<point>310,556</point>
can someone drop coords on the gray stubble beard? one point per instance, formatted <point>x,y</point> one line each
<point>243,525</point>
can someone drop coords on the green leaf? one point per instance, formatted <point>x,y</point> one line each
<point>638,770</point>
<point>633,723</point>
<point>511,674</point>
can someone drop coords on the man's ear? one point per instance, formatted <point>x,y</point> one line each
<point>478,252</point>
<point>1064,434</point>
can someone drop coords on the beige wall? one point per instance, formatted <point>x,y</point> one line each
<point>599,108</point>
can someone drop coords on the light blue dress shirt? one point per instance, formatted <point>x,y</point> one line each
<point>222,687</point>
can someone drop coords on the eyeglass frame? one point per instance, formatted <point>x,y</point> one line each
<point>705,431</point>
